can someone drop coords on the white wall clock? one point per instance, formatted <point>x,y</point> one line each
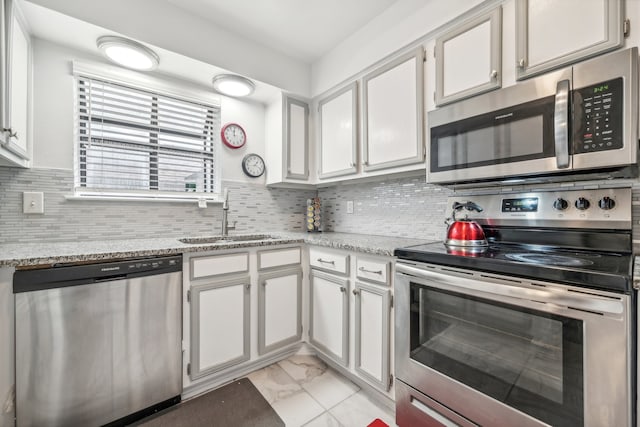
<point>253,165</point>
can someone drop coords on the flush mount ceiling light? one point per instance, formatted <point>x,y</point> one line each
<point>128,53</point>
<point>232,85</point>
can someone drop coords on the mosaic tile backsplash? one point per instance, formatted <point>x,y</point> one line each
<point>254,207</point>
<point>400,207</point>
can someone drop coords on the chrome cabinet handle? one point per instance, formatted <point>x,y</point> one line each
<point>356,292</point>
<point>561,124</point>
<point>364,270</point>
<point>521,63</point>
<point>493,74</point>
<point>327,262</point>
<point>343,289</point>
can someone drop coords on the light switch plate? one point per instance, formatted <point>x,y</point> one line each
<point>33,202</point>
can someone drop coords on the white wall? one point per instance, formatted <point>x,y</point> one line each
<point>53,140</point>
<point>407,21</point>
<point>401,24</point>
<point>162,24</point>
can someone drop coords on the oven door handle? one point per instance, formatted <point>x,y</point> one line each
<point>590,302</point>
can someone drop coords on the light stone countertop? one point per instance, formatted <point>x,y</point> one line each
<point>31,254</point>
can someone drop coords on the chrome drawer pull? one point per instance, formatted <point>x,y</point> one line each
<point>364,270</point>
<point>326,262</point>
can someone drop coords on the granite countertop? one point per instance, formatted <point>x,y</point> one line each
<point>31,254</point>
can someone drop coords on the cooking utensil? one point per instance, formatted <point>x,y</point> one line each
<point>464,232</point>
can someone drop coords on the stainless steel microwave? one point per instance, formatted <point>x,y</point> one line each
<point>580,119</point>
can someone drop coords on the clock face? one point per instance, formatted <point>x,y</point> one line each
<point>253,165</point>
<point>233,135</point>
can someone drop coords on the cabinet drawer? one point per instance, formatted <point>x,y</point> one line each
<point>373,270</point>
<point>328,260</point>
<point>278,258</point>
<point>218,265</point>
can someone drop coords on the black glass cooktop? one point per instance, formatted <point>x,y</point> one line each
<point>610,271</point>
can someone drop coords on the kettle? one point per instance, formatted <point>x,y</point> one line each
<point>464,232</point>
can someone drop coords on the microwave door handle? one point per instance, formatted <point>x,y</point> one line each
<point>561,124</point>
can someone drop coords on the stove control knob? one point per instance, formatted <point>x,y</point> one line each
<point>607,203</point>
<point>560,204</point>
<point>582,204</point>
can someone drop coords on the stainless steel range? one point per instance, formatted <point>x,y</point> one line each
<point>535,329</point>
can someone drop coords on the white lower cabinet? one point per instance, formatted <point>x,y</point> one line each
<point>242,310</point>
<point>353,326</point>
<point>279,309</point>
<point>220,320</point>
<point>329,315</point>
<point>372,333</point>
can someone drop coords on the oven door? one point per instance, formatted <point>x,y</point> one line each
<point>503,352</point>
<point>516,131</point>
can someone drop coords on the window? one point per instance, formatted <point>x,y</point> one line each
<point>142,143</point>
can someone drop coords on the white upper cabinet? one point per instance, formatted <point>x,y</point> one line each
<point>296,117</point>
<point>15,74</point>
<point>338,123</point>
<point>393,113</point>
<point>550,34</point>
<point>469,58</point>
<point>287,152</point>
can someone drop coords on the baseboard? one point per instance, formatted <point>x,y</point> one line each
<point>377,395</point>
<point>228,375</point>
<point>301,348</point>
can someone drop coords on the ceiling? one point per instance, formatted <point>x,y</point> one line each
<point>302,29</point>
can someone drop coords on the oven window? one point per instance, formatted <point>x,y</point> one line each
<point>530,360</point>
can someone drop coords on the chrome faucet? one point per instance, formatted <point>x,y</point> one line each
<point>225,212</point>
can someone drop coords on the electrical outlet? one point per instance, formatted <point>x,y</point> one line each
<point>32,202</point>
<point>350,206</point>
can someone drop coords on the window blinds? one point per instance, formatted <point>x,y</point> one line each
<point>136,140</point>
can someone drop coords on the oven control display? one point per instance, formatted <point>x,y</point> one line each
<point>529,204</point>
<point>598,117</point>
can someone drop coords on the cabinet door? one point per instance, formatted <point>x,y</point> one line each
<point>338,116</point>
<point>329,312</point>
<point>552,34</point>
<point>372,319</point>
<point>15,61</point>
<point>296,134</point>
<point>469,58</point>
<point>219,325</point>
<point>279,309</point>
<point>393,113</point>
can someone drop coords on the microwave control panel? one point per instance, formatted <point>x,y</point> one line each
<point>598,117</point>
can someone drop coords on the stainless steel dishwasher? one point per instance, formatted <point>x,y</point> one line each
<point>98,343</point>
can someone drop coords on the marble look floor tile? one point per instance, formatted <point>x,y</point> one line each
<point>303,368</point>
<point>330,388</point>
<point>274,383</point>
<point>360,410</point>
<point>324,420</point>
<point>297,409</point>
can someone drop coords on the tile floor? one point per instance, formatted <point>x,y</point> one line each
<point>304,391</point>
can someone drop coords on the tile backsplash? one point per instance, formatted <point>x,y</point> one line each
<point>406,207</point>
<point>254,207</point>
<point>400,207</point>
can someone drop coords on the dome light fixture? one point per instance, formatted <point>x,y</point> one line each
<point>128,53</point>
<point>233,85</point>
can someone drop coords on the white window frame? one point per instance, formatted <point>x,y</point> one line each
<point>186,92</point>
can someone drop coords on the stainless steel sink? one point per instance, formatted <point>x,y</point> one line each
<point>225,239</point>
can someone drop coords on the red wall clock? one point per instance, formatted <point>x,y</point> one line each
<point>233,135</point>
